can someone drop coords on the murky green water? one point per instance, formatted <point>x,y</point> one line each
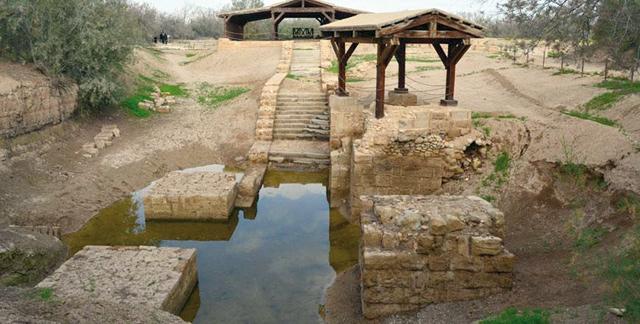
<point>268,264</point>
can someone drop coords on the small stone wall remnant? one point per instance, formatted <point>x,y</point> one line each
<point>29,100</point>
<point>410,151</point>
<point>192,196</point>
<point>418,250</point>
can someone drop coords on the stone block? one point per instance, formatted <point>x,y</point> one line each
<point>250,185</point>
<point>161,278</point>
<point>486,245</point>
<point>192,196</point>
<point>402,99</point>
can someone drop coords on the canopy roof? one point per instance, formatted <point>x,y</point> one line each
<point>307,4</point>
<point>384,23</point>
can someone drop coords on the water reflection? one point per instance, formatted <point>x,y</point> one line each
<point>269,264</point>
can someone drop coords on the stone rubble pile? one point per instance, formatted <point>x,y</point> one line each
<point>101,141</point>
<point>161,101</point>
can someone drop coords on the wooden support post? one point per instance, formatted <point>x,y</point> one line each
<point>455,53</point>
<point>385,54</point>
<point>342,69</point>
<point>343,55</point>
<point>401,57</point>
<point>606,69</point>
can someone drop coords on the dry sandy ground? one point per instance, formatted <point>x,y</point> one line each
<point>48,181</point>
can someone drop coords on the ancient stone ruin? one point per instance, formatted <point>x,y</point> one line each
<point>30,100</point>
<point>192,196</point>
<point>161,101</point>
<point>418,250</point>
<point>160,278</point>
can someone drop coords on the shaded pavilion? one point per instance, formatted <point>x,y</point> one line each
<point>323,12</point>
<point>392,32</point>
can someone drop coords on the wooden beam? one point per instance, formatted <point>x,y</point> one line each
<point>460,51</point>
<point>441,54</point>
<point>303,10</point>
<point>352,49</point>
<point>452,34</point>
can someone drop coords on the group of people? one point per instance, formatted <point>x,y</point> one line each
<point>164,38</point>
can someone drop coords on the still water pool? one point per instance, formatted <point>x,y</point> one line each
<point>268,264</point>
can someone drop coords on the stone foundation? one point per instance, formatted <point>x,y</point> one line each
<point>410,151</point>
<point>418,250</point>
<point>402,99</point>
<point>29,100</point>
<point>161,278</point>
<point>192,196</point>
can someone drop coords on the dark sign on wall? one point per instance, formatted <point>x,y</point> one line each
<point>303,32</point>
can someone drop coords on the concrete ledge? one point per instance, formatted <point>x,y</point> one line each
<point>161,278</point>
<point>192,196</point>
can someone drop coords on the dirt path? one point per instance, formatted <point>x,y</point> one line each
<point>48,181</point>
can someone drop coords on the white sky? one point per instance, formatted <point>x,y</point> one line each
<point>455,6</point>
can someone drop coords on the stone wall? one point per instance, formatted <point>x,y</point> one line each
<point>410,151</point>
<point>418,250</point>
<point>29,100</point>
<point>269,97</point>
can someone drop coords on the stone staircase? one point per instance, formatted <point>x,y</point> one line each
<point>302,116</point>
<point>301,123</point>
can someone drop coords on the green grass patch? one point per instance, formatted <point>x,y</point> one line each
<point>500,173</point>
<point>213,96</point>
<point>174,89</point>
<point>486,130</point>
<point>424,68</point>
<point>619,89</point>
<point>488,198</point>
<point>515,316</point>
<point>355,79</point>
<point>623,274</point>
<point>144,87</point>
<point>190,55</point>
<point>629,204</point>
<point>45,294</point>
<point>587,116</point>
<point>494,56</point>
<point>502,163</point>
<point>422,59</point>
<point>574,170</point>
<point>566,71</point>
<point>355,60</point>
<point>293,76</point>
<point>588,238</point>
<point>554,54</point>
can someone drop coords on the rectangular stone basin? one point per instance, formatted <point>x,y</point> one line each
<point>191,196</point>
<point>161,278</point>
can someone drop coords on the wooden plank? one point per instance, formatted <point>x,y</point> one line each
<point>352,49</point>
<point>342,69</point>
<point>462,49</point>
<point>302,10</point>
<point>430,34</point>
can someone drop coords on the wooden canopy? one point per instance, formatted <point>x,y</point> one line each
<point>322,11</point>
<point>392,32</point>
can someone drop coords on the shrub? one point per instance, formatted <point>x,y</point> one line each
<point>89,41</point>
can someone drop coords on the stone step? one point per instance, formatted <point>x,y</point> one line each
<point>289,129</point>
<point>318,110</point>
<point>323,132</point>
<point>300,155</point>
<point>311,112</point>
<point>287,116</point>
<point>303,103</point>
